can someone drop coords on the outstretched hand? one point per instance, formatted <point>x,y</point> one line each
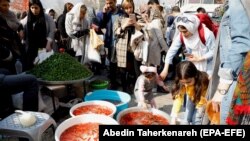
<point>165,88</point>
<point>81,33</point>
<point>142,104</point>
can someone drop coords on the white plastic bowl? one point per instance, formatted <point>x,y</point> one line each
<point>102,119</point>
<point>139,109</point>
<point>94,102</point>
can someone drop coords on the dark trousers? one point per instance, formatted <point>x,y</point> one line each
<point>13,84</point>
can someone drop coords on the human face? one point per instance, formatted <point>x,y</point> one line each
<point>82,14</point>
<point>155,6</point>
<point>35,9</point>
<point>4,6</point>
<point>185,33</point>
<point>52,14</point>
<point>111,5</point>
<point>69,6</point>
<point>150,75</point>
<point>187,82</point>
<point>129,8</point>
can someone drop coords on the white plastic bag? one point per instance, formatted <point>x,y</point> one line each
<point>17,100</point>
<point>43,55</point>
<point>94,55</point>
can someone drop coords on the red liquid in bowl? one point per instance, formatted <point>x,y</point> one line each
<point>143,118</point>
<point>93,109</point>
<point>81,132</point>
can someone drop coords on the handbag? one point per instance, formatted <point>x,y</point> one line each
<point>141,52</point>
<point>135,40</point>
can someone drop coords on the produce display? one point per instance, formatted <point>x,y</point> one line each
<point>143,118</point>
<point>81,132</point>
<point>61,67</point>
<point>93,109</point>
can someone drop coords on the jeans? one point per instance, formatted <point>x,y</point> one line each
<point>193,115</point>
<point>226,103</point>
<point>26,83</point>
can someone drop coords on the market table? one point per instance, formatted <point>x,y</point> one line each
<point>51,86</point>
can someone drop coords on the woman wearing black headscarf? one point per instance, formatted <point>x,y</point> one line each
<point>39,31</point>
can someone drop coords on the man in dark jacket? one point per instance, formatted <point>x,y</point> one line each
<point>107,18</point>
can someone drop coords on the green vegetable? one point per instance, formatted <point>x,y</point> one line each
<point>61,67</point>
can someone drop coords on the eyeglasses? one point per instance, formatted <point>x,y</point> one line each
<point>183,19</point>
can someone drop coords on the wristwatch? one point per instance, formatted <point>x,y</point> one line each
<point>221,91</point>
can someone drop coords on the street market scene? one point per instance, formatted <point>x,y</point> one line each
<point>68,66</point>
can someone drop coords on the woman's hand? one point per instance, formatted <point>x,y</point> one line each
<point>48,46</point>
<point>219,94</point>
<point>194,58</point>
<point>163,75</point>
<point>173,121</point>
<point>127,22</point>
<point>21,34</point>
<point>216,101</point>
<point>165,88</point>
<point>142,104</point>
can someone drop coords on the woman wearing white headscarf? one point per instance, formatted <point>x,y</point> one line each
<point>77,26</point>
<point>196,51</point>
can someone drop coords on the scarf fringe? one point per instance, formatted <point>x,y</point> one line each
<point>241,109</point>
<point>230,121</point>
<point>241,115</point>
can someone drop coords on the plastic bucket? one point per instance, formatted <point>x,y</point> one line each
<point>118,98</point>
<point>99,84</point>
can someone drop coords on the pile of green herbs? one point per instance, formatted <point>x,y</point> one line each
<point>61,67</point>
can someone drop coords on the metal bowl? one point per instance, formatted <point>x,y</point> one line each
<point>46,82</point>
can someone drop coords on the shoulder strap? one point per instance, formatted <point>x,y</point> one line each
<point>201,34</point>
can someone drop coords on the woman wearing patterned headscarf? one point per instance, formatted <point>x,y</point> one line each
<point>153,28</point>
